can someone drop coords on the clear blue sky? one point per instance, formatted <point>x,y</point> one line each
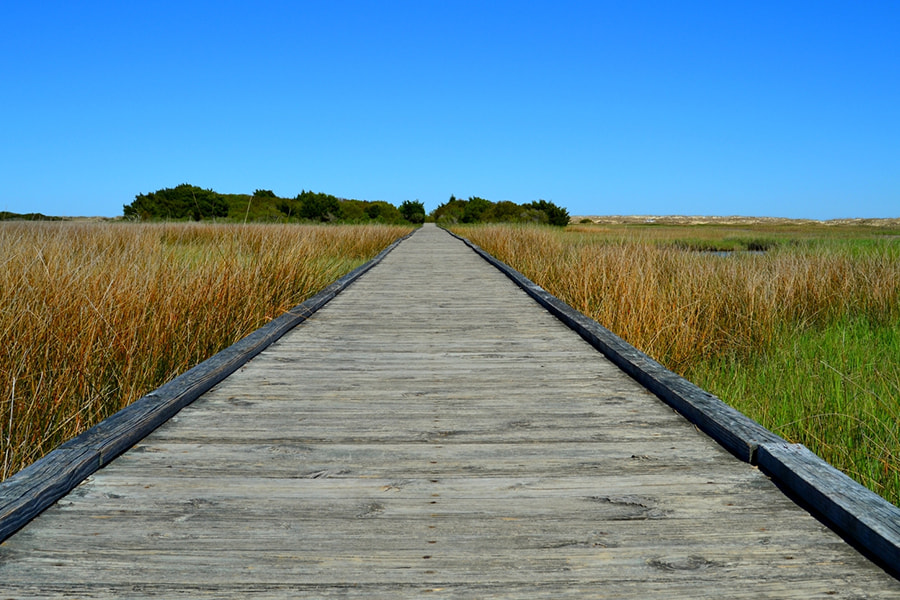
<point>609,107</point>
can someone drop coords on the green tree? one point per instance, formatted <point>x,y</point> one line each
<point>353,210</point>
<point>318,207</point>
<point>556,215</point>
<point>413,211</point>
<point>450,211</point>
<point>290,208</point>
<point>383,212</point>
<point>475,208</point>
<point>182,201</point>
<point>504,211</point>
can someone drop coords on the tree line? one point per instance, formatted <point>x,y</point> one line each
<point>479,210</point>
<point>11,216</point>
<point>187,201</point>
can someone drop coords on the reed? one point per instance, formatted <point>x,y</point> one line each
<point>93,316</point>
<point>804,337</point>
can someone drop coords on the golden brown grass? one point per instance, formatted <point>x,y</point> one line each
<point>679,306</point>
<point>804,338</point>
<point>92,316</point>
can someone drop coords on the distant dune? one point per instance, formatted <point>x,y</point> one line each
<point>698,220</point>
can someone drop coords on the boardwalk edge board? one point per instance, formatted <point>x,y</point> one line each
<point>29,492</point>
<point>863,515</point>
<point>847,506</point>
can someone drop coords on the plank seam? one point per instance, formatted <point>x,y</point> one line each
<point>847,506</point>
<point>29,492</point>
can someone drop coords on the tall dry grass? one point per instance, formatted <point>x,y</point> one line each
<point>93,316</point>
<point>747,326</point>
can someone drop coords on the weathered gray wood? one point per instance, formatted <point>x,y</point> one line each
<point>27,493</point>
<point>863,515</point>
<point>431,430</point>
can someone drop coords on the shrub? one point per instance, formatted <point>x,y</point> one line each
<point>181,202</point>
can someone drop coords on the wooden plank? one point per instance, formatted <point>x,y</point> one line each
<point>27,493</point>
<point>573,587</point>
<point>859,513</point>
<point>560,527</point>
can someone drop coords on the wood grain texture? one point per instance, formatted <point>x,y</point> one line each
<point>865,516</point>
<point>431,431</point>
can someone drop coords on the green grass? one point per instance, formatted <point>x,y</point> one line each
<point>816,385</point>
<point>726,244</point>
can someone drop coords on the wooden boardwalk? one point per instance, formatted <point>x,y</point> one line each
<point>431,432</point>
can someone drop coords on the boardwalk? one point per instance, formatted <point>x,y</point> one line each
<point>431,432</point>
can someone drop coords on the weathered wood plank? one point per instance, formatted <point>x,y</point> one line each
<point>863,515</point>
<point>286,458</point>
<point>575,587</point>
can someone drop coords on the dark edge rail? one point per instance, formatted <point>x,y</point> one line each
<point>33,489</point>
<point>859,514</point>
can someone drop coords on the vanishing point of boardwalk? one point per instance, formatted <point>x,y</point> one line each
<point>431,432</point>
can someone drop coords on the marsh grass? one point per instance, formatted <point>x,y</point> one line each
<point>834,388</point>
<point>93,316</point>
<point>804,337</point>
